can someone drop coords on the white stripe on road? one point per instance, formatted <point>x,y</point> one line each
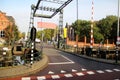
<point>50,72</point>
<point>100,71</point>
<point>68,75</point>
<point>62,71</point>
<point>80,74</point>
<point>59,63</point>
<point>108,70</point>
<point>90,72</point>
<point>26,78</point>
<point>116,70</point>
<point>55,76</point>
<point>68,59</point>
<point>41,78</point>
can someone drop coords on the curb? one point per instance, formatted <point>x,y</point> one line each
<point>23,70</point>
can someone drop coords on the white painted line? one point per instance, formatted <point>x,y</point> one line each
<point>80,74</point>
<point>84,69</point>
<point>68,59</point>
<point>108,70</point>
<point>73,70</point>
<point>50,72</point>
<point>26,78</point>
<point>90,72</point>
<point>68,75</point>
<point>41,78</point>
<point>116,70</point>
<point>55,76</point>
<point>100,71</point>
<point>59,63</point>
<point>62,71</point>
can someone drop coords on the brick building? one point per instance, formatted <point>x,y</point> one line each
<point>5,21</point>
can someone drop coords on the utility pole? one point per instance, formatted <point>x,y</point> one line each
<point>118,41</point>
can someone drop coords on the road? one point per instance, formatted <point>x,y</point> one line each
<point>65,66</point>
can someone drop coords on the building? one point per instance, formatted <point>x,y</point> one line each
<point>5,21</point>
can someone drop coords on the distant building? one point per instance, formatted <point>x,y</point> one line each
<point>5,21</point>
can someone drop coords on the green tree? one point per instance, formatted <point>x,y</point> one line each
<point>83,28</point>
<point>48,34</point>
<point>105,25</point>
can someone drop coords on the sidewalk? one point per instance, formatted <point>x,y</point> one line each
<point>108,61</point>
<point>23,70</point>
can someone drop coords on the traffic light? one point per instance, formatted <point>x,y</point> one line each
<point>33,34</point>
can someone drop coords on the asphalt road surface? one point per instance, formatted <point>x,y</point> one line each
<point>65,66</point>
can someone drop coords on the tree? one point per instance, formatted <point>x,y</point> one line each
<point>11,34</point>
<point>83,28</point>
<point>48,34</point>
<point>105,25</point>
<point>114,31</point>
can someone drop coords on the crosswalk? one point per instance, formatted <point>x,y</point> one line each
<point>72,74</point>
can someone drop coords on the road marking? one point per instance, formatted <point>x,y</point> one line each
<point>108,70</point>
<point>55,76</point>
<point>90,72</point>
<point>59,63</point>
<point>26,78</point>
<point>100,71</point>
<point>41,78</point>
<point>80,74</point>
<point>68,59</point>
<point>84,69</point>
<point>73,70</point>
<point>62,71</point>
<point>116,70</point>
<point>50,72</point>
<point>68,75</point>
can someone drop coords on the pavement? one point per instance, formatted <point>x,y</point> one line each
<point>108,61</point>
<point>23,70</point>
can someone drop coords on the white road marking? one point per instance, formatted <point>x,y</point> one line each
<point>59,63</point>
<point>84,69</point>
<point>68,75</point>
<point>50,72</point>
<point>80,74</point>
<point>73,70</point>
<point>26,78</point>
<point>116,70</point>
<point>41,78</point>
<point>62,71</point>
<point>90,72</point>
<point>108,70</point>
<point>100,71</point>
<point>68,59</point>
<point>55,76</point>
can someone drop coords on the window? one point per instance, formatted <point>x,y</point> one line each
<point>2,34</point>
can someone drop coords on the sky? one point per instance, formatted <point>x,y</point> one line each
<point>20,10</point>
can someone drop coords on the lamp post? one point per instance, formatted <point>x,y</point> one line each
<point>116,60</point>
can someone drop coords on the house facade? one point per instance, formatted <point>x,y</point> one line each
<point>5,21</point>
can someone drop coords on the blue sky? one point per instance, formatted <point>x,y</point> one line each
<point>20,10</point>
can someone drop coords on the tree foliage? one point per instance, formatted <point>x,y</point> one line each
<point>48,34</point>
<point>103,29</point>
